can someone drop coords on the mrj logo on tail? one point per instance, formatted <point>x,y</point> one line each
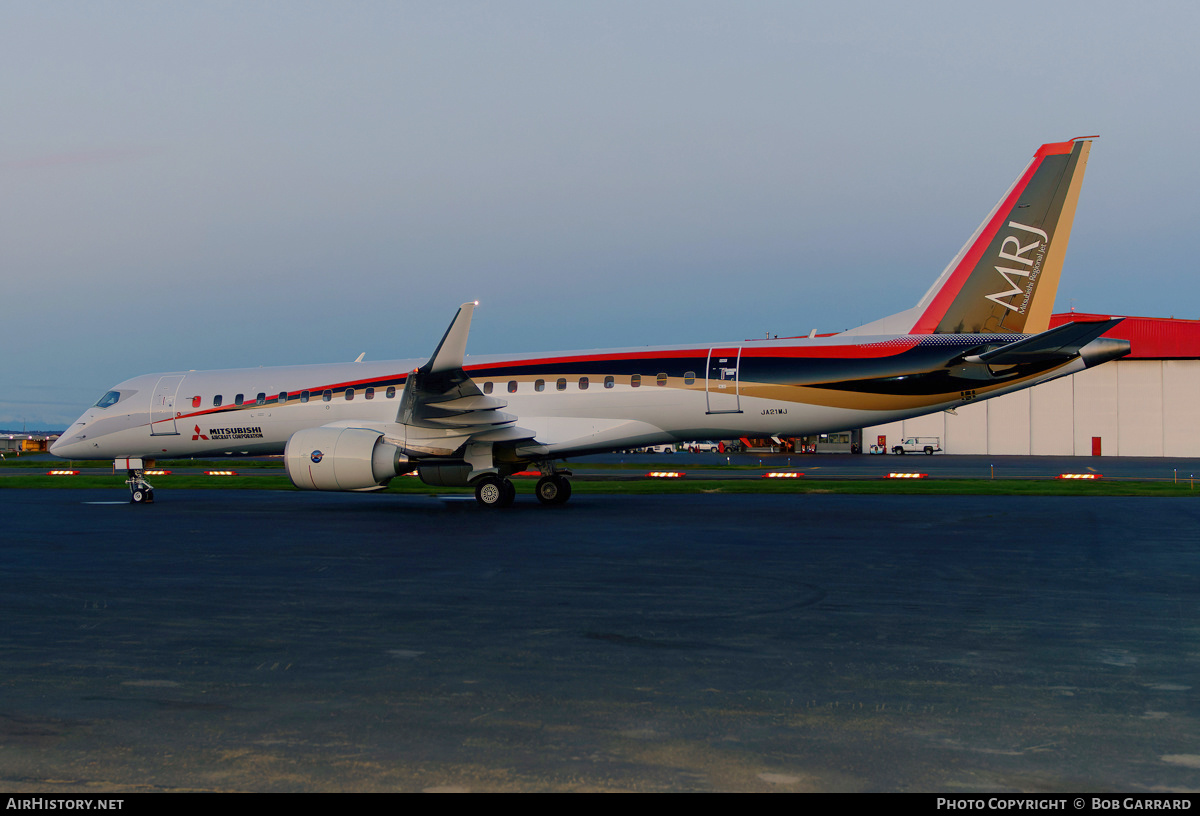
<point>1031,256</point>
<point>1005,278</point>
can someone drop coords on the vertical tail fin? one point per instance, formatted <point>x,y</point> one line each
<point>1003,281</point>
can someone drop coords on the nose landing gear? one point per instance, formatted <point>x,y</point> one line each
<point>140,491</point>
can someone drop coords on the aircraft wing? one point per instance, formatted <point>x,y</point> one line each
<point>442,408</point>
<point>1060,342</point>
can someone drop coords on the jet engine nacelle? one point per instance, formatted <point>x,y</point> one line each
<point>340,458</point>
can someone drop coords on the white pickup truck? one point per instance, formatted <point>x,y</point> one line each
<point>919,444</point>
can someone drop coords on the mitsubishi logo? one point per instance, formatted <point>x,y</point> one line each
<point>197,435</point>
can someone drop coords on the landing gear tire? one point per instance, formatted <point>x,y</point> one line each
<point>553,489</point>
<point>140,491</point>
<point>492,491</point>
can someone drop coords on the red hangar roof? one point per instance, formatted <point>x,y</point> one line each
<point>1152,338</point>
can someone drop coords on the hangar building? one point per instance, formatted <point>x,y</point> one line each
<point>1145,404</point>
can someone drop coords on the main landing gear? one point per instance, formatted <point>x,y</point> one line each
<point>493,490</point>
<point>553,488</point>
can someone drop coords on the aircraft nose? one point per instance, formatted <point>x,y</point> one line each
<point>70,444</point>
<point>61,447</point>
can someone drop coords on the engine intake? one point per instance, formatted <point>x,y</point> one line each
<point>336,458</point>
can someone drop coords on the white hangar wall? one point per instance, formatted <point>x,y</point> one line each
<point>1134,407</point>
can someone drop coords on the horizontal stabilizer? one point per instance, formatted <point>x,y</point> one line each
<point>1060,342</point>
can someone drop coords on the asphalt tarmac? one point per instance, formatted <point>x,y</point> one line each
<point>282,641</point>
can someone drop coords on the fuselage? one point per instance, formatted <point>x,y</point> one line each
<point>574,402</point>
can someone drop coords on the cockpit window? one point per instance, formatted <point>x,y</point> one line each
<point>111,398</point>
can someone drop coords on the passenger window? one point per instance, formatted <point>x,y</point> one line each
<point>487,388</point>
<point>349,394</point>
<point>561,385</point>
<point>370,393</point>
<point>609,381</point>
<point>195,402</point>
<point>304,396</point>
<point>261,399</point>
<point>583,383</point>
<point>662,379</point>
<point>539,385</point>
<point>391,392</point>
<point>689,378</point>
<point>217,401</point>
<point>635,381</point>
<point>326,395</point>
<point>512,386</point>
<point>282,397</point>
<point>239,399</point>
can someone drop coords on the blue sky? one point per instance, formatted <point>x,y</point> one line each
<point>214,185</point>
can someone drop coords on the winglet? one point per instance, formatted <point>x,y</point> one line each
<point>450,352</point>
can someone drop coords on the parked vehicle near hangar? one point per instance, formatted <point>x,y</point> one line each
<point>919,444</point>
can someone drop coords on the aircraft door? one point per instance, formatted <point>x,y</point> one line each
<point>162,406</point>
<point>723,382</point>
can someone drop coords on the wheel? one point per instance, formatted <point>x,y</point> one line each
<point>138,497</point>
<point>547,490</point>
<point>898,450</point>
<point>553,489</point>
<point>928,451</point>
<point>492,491</point>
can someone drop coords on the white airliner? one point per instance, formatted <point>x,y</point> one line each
<point>980,331</point>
